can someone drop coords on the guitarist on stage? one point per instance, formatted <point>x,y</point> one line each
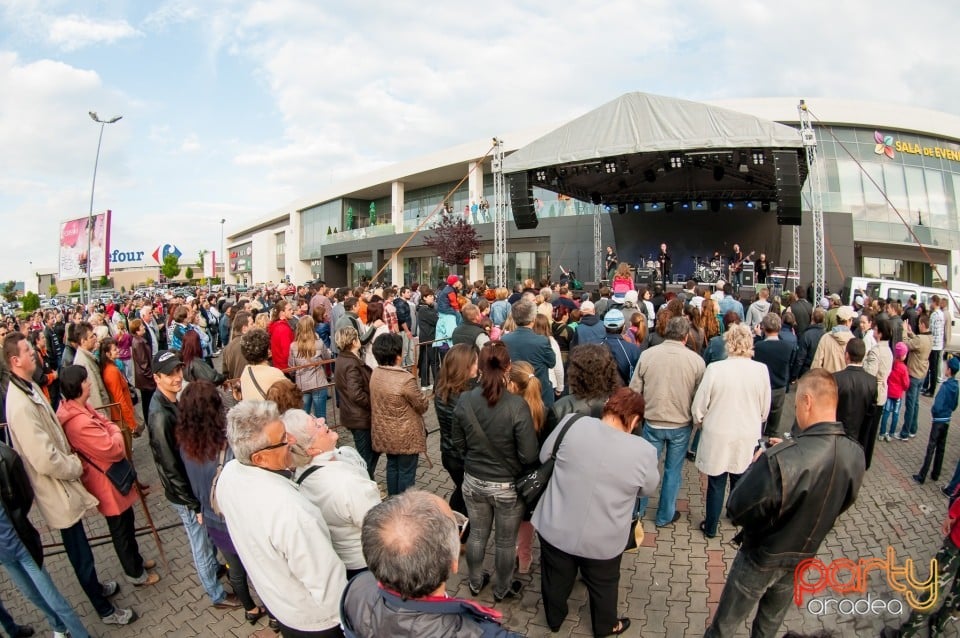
<point>736,267</point>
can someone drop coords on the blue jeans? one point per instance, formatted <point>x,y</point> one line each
<point>911,409</point>
<point>716,490</point>
<point>36,586</point>
<point>674,441</point>
<point>401,472</point>
<point>492,506</point>
<point>204,558</point>
<point>315,400</point>
<point>746,586</point>
<point>891,407</point>
<point>361,441</point>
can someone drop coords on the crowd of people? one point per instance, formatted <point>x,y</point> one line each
<point>607,386</point>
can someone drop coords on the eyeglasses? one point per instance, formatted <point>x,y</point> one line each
<point>284,441</point>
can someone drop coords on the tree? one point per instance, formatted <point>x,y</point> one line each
<point>188,273</point>
<point>171,266</point>
<point>123,289</point>
<point>200,255</point>
<point>52,291</point>
<point>150,281</point>
<point>75,287</point>
<point>10,290</point>
<point>103,282</point>
<point>31,302</point>
<point>454,240</point>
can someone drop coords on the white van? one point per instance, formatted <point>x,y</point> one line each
<point>901,291</point>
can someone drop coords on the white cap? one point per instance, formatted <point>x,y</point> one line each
<point>587,307</point>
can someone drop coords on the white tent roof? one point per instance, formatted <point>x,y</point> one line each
<point>645,123</point>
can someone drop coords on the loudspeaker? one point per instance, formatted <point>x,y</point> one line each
<point>748,294</point>
<point>787,169</point>
<point>644,277</point>
<point>521,202</point>
<point>747,276</point>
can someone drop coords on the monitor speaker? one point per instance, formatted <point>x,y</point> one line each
<point>787,169</point>
<point>521,202</point>
<point>747,276</point>
<point>644,277</point>
<point>748,293</point>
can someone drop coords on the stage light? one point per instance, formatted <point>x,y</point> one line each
<point>749,204</point>
<point>541,176</point>
<point>622,208</point>
<point>730,205</point>
<point>757,158</point>
<point>608,207</point>
<point>610,167</point>
<point>685,205</point>
<point>668,207</point>
<point>596,198</point>
<point>654,205</point>
<point>700,204</point>
<point>676,161</point>
<point>650,175</point>
<point>637,207</point>
<point>718,172</point>
<point>765,205</point>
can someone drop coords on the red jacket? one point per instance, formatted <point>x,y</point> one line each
<point>99,441</point>
<point>899,380</point>
<point>281,336</point>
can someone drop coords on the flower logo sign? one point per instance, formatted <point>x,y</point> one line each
<point>884,144</point>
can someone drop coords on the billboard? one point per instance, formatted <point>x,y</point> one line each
<point>210,264</point>
<point>82,246</point>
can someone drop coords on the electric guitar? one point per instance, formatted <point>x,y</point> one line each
<point>737,266</point>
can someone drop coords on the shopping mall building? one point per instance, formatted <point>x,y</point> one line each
<point>887,170</point>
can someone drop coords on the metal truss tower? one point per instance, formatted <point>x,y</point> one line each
<point>499,216</point>
<point>598,254</point>
<point>815,179</point>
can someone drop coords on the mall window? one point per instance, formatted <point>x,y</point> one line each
<point>281,242</point>
<point>425,270</point>
<point>916,272</point>
<point>360,272</point>
<point>316,223</point>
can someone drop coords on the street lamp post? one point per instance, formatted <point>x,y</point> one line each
<point>223,257</point>
<point>93,186</point>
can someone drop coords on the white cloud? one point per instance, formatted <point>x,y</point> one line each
<point>191,144</point>
<point>74,31</point>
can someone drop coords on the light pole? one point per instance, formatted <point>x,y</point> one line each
<point>223,258</point>
<point>93,186</point>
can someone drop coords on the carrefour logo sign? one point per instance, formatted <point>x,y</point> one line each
<point>136,256</point>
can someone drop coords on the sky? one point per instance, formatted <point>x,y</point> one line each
<point>234,108</point>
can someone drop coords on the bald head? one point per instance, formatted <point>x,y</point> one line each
<point>816,400</point>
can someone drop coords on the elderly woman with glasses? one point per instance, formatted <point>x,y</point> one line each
<point>335,480</point>
<point>280,536</point>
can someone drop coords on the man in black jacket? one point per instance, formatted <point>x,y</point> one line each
<point>470,331</point>
<point>807,342</point>
<point>54,352</point>
<point>857,390</point>
<point>163,416</point>
<point>803,311</point>
<point>777,355</point>
<point>786,503</point>
<point>21,552</point>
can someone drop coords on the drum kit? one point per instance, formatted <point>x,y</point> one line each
<point>707,271</point>
<point>654,267</point>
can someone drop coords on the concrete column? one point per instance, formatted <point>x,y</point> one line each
<point>475,183</point>
<point>396,205</point>
<point>475,268</point>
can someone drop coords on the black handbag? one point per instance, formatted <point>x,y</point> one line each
<point>120,473</point>
<point>530,486</point>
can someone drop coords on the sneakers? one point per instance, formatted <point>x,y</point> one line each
<point>484,581</point>
<point>919,479</point>
<point>119,617</point>
<point>516,588</point>
<point>110,588</point>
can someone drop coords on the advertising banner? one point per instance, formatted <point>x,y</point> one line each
<point>82,246</point>
<point>210,264</point>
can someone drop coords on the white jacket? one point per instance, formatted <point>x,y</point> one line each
<point>285,546</point>
<point>344,493</point>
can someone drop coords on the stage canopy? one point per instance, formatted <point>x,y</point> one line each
<point>642,148</point>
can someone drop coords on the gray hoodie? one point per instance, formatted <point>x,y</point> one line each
<point>758,310</point>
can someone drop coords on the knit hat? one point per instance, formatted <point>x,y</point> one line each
<point>452,279</point>
<point>900,350</point>
<point>954,365</point>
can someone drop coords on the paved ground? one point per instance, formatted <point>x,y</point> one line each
<point>669,587</point>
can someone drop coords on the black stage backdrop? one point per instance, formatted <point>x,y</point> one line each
<point>696,233</point>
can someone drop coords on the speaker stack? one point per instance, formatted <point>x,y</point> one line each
<point>521,202</point>
<point>787,169</point>
<point>747,274</point>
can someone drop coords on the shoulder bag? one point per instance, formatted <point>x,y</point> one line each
<point>120,473</point>
<point>221,459</point>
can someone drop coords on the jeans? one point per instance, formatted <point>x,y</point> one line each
<point>8,623</point>
<point>401,472</point>
<point>933,374</point>
<point>747,585</point>
<point>361,441</point>
<point>772,428</point>
<point>674,441</point>
<point>429,365</point>
<point>315,400</point>
<point>911,408</point>
<point>123,533</point>
<point>948,568</point>
<point>36,586</point>
<point>935,448</point>
<point>494,506</point>
<point>454,468</point>
<point>237,575</point>
<point>716,490</point>
<point>204,559</point>
<point>891,407</point>
<point>77,547</point>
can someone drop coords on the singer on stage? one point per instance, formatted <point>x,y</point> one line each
<point>664,260</point>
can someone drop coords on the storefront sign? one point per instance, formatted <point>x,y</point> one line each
<point>887,145</point>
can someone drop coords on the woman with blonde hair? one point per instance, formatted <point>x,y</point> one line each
<point>730,406</point>
<point>541,326</point>
<point>500,309</point>
<point>306,352</point>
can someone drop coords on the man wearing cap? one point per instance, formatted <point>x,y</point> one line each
<point>668,376</point>
<point>447,302</point>
<point>830,319</point>
<point>163,416</point>
<point>590,329</point>
<point>626,354</point>
<point>831,350</point>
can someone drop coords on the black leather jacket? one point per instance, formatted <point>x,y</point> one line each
<point>166,452</point>
<point>510,445</point>
<point>790,498</point>
<point>448,452</point>
<point>16,497</point>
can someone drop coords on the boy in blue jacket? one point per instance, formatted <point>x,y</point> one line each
<point>943,407</point>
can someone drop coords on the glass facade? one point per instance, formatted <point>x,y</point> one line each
<point>316,223</point>
<point>901,270</point>
<point>520,265</point>
<point>921,182</point>
<point>281,250</point>
<point>426,270</point>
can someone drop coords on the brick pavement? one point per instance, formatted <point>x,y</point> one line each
<point>669,587</point>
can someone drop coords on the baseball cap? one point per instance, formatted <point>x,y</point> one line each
<point>900,350</point>
<point>954,365</point>
<point>166,362</point>
<point>858,300</point>
<point>845,313</point>
<point>452,279</point>
<point>613,318</point>
<point>587,307</point>
<point>630,296</point>
<point>834,297</point>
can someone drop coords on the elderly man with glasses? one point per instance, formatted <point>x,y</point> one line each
<point>281,536</point>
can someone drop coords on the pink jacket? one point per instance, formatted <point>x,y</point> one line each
<point>100,441</point>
